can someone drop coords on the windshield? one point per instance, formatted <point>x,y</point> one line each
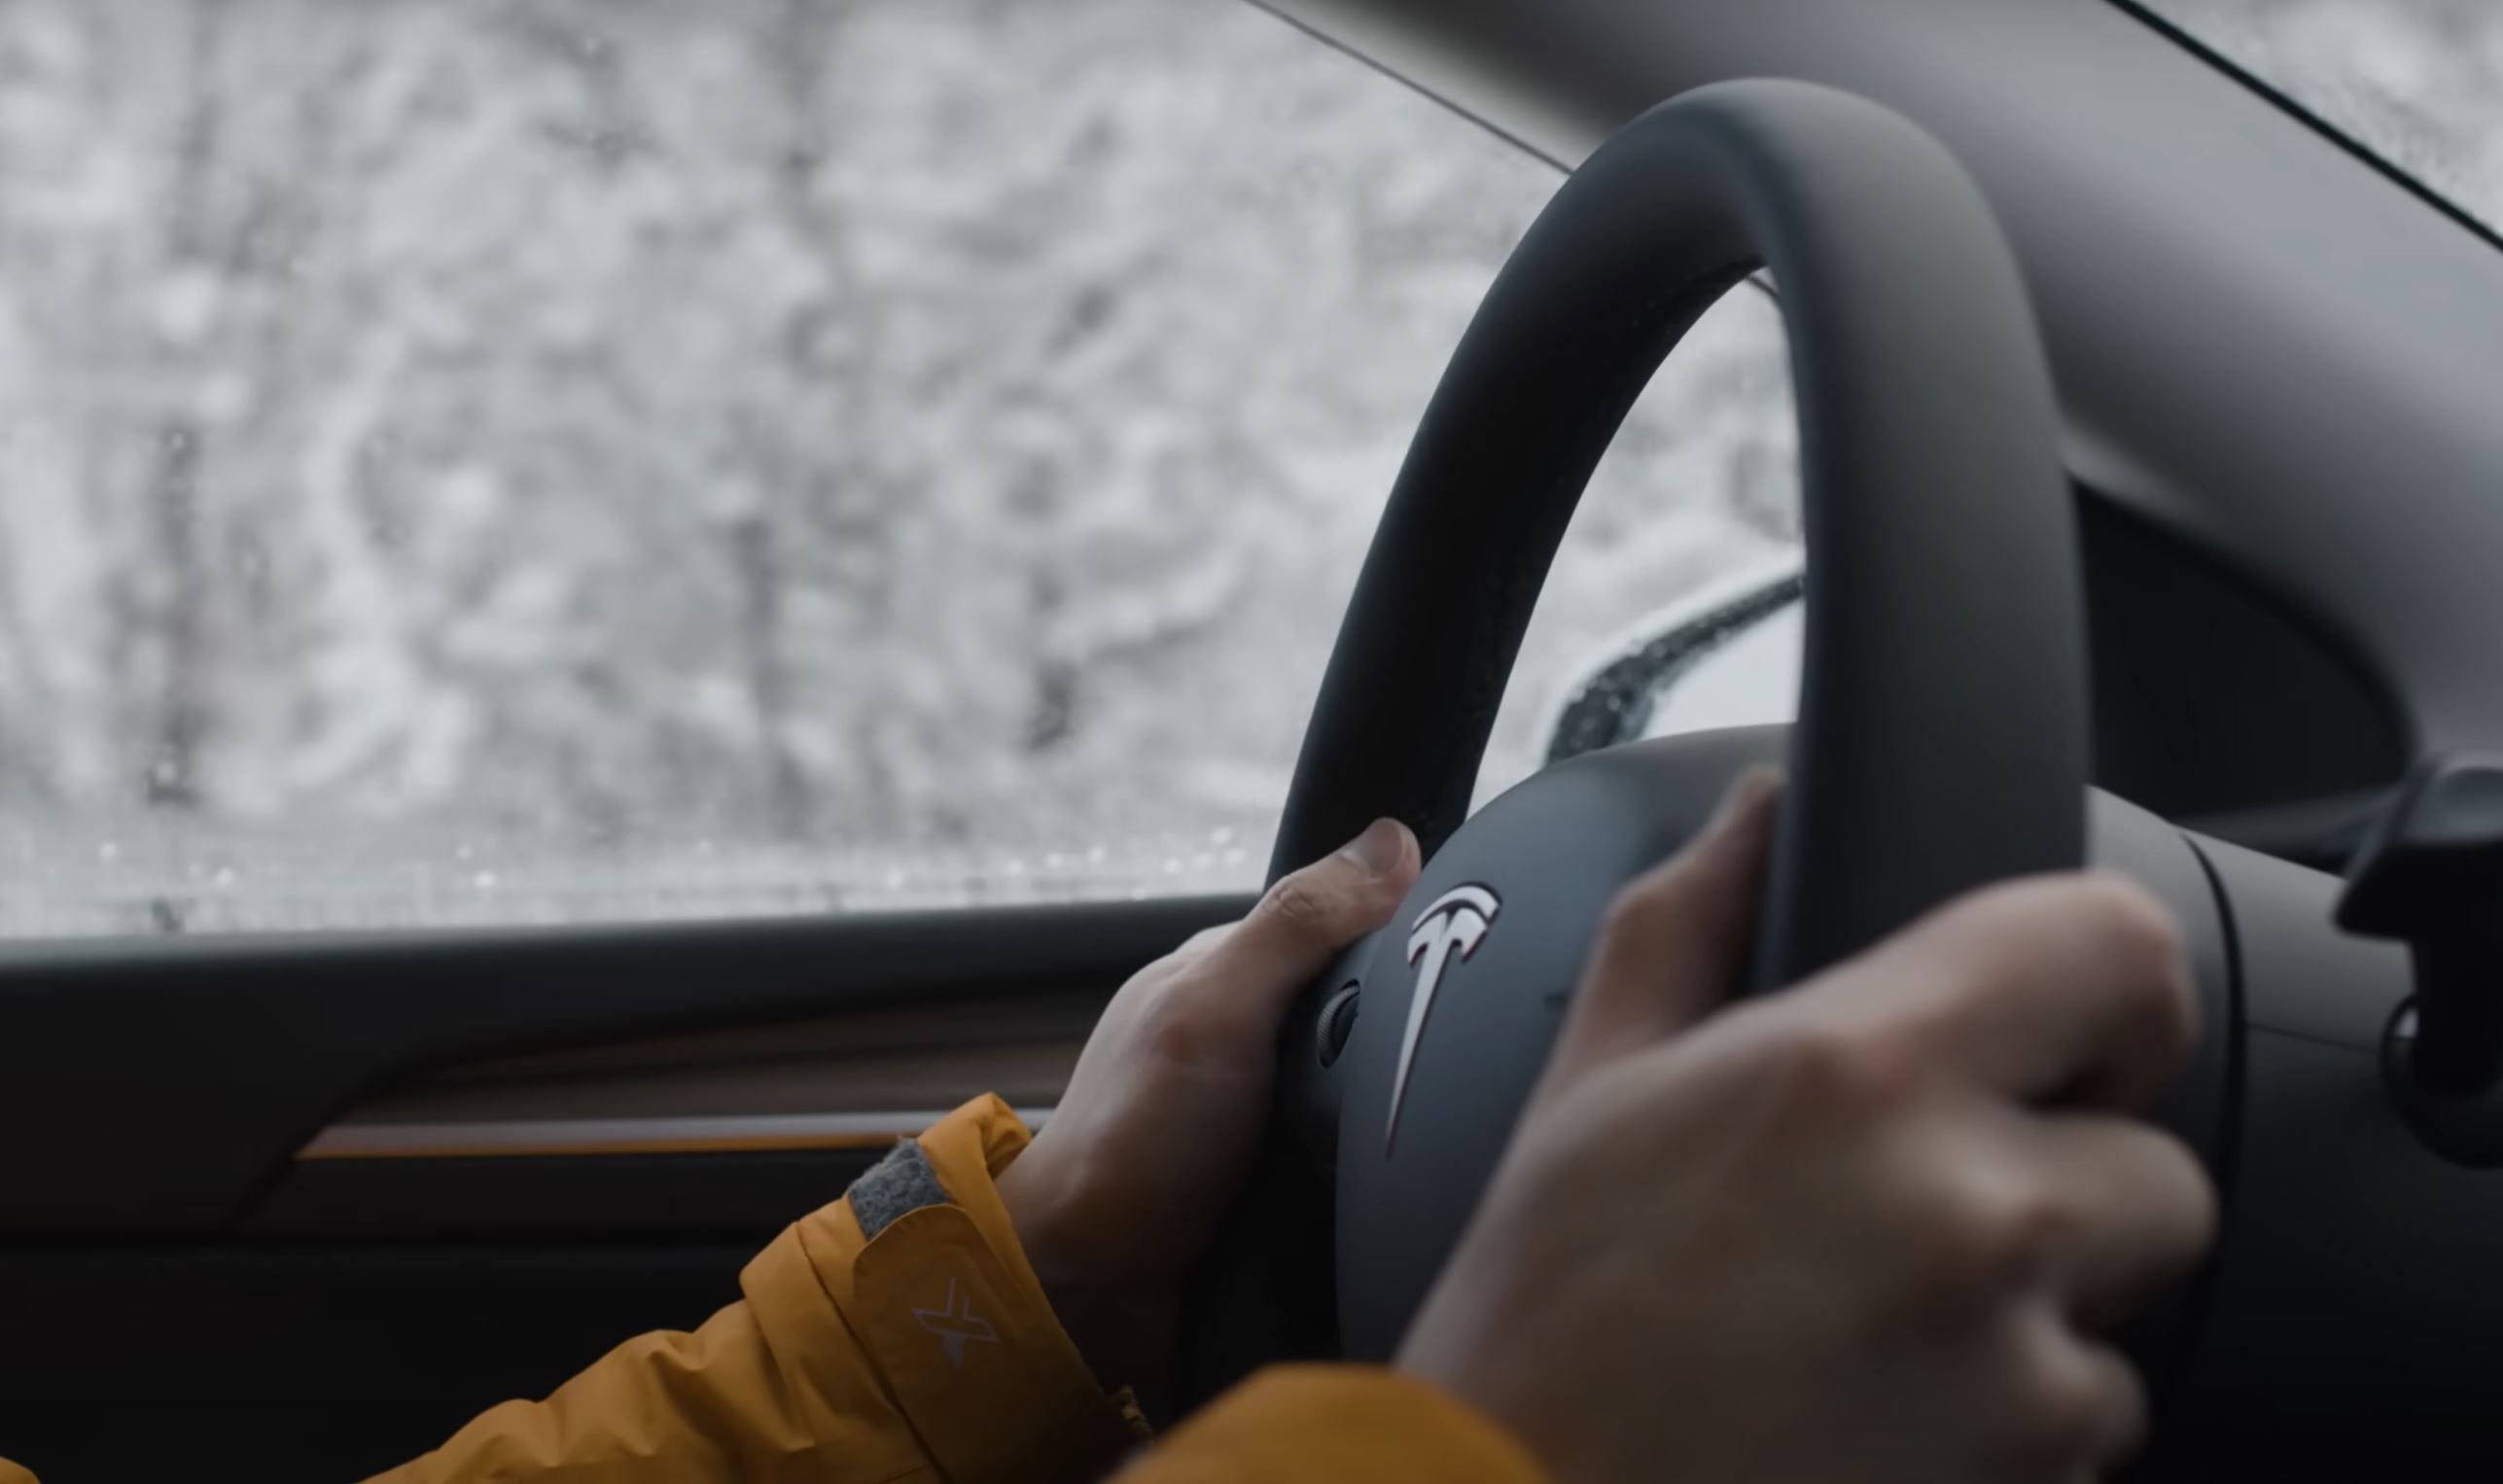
<point>2418,82</point>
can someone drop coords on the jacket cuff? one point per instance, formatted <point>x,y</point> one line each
<point>1337,1424</point>
<point>924,1269</point>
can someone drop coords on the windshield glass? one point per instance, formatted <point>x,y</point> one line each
<point>2418,82</point>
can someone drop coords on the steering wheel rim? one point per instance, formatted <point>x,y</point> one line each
<point>1942,567</point>
<point>1942,741</point>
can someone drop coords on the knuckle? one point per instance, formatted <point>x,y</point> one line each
<point>2183,1200</point>
<point>2133,929</point>
<point>1203,941</point>
<point>1825,1067</point>
<point>1296,904</point>
<point>1178,1028</point>
<point>2164,1015</point>
<point>2085,1411</point>
<point>2150,974</point>
<point>1993,1235</point>
<point>1185,959</point>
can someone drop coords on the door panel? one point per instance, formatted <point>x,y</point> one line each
<point>328,1198</point>
<point>227,1057</point>
<point>282,1363</point>
<point>736,1195</point>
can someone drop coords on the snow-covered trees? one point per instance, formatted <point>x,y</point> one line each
<point>484,459</point>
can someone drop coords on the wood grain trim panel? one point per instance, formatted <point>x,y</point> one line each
<point>542,1138</point>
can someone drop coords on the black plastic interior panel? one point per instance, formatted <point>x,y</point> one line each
<point>280,1363</point>
<point>733,1197</point>
<point>2213,696</point>
<point>157,1089</point>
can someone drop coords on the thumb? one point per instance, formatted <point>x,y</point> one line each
<point>1674,940</point>
<point>1306,918</point>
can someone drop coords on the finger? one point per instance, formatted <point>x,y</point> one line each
<point>1676,940</point>
<point>2083,1408</point>
<point>2069,990</point>
<point>2145,1212</point>
<point>1306,918</point>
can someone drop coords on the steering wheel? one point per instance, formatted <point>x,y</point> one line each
<point>1943,732</point>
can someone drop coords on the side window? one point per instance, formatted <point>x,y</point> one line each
<point>1692,518</point>
<point>513,461</point>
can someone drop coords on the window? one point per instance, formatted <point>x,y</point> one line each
<point>506,461</point>
<point>1701,486</point>
<point>2418,82</point>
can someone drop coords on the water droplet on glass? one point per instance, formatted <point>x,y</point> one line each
<point>224,879</point>
<point>484,880</point>
<point>109,852</point>
<point>1094,855</point>
<point>1221,836</point>
<point>1172,867</point>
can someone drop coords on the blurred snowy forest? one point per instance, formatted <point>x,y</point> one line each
<point>2420,81</point>
<point>547,460</point>
<point>486,460</point>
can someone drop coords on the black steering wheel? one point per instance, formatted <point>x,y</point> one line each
<point>1943,732</point>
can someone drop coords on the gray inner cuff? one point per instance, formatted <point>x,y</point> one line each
<point>901,1181</point>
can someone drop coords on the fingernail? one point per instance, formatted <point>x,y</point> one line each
<point>1380,849</point>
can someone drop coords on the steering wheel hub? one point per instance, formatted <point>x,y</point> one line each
<point>1465,991</point>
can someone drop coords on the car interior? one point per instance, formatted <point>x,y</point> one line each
<point>2149,488</point>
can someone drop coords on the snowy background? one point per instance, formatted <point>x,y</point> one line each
<point>551,460</point>
<point>2420,81</point>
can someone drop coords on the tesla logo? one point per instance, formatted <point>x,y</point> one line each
<point>1451,928</point>
<point>955,1322</point>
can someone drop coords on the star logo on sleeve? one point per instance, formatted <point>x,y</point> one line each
<point>956,1322</point>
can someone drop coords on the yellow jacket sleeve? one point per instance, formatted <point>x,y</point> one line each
<point>904,1340</point>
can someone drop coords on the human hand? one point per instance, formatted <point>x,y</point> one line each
<point>1870,1229</point>
<point>1118,1197</point>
